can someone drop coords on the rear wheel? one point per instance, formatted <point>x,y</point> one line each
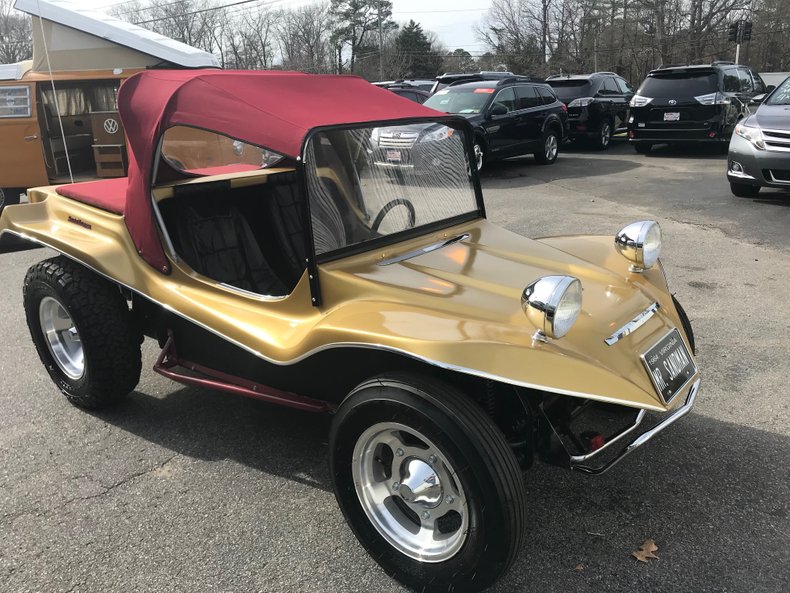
<point>601,142</point>
<point>551,148</point>
<point>743,190</point>
<point>83,332</point>
<point>643,147</point>
<point>9,196</point>
<point>428,483</point>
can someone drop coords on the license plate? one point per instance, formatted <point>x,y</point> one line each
<point>669,365</point>
<point>393,156</point>
<point>672,116</point>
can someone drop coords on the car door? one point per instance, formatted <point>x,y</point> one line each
<point>501,129</point>
<point>610,101</point>
<point>532,116</point>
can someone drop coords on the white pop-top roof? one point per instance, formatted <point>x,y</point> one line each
<point>15,71</point>
<point>119,32</point>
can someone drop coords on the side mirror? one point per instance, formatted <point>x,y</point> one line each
<point>498,109</point>
<point>770,88</point>
<point>757,99</point>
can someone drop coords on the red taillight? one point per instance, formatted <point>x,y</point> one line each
<point>631,134</point>
<point>597,442</point>
<point>565,108</point>
<point>712,134</point>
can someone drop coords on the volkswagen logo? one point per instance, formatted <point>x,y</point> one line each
<point>673,102</point>
<point>110,125</point>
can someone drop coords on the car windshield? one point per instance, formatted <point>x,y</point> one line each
<point>464,101</point>
<point>356,198</point>
<point>683,84</point>
<point>781,96</point>
<point>571,89</point>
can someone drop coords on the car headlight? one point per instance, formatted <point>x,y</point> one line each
<point>552,304</point>
<point>752,134</point>
<point>640,243</point>
<point>639,101</point>
<point>440,134</point>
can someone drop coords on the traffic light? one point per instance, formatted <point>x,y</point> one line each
<point>733,33</point>
<point>746,32</point>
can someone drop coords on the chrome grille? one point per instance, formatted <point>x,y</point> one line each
<point>397,139</point>
<point>777,140</point>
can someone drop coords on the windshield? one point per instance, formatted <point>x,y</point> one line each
<point>460,100</point>
<point>781,96</point>
<point>679,85</point>
<point>571,89</point>
<point>356,197</point>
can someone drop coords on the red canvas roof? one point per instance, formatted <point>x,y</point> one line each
<point>275,110</point>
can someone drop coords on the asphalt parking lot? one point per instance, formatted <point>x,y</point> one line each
<point>182,489</point>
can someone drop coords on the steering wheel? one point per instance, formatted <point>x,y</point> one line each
<point>389,206</point>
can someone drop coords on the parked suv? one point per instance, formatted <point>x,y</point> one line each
<point>444,80</point>
<point>406,89</point>
<point>510,117</point>
<point>691,104</point>
<point>597,105</point>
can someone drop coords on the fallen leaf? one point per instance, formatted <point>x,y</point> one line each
<point>645,551</point>
<point>579,567</point>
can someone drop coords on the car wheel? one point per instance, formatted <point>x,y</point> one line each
<point>643,147</point>
<point>428,483</point>
<point>604,136</point>
<point>83,332</point>
<point>551,148</point>
<point>480,154</point>
<point>9,196</point>
<point>742,190</point>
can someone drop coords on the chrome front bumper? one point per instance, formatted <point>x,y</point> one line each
<point>629,440</point>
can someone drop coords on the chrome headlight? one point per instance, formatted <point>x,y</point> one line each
<point>640,243</point>
<point>752,134</point>
<point>436,135</point>
<point>552,304</point>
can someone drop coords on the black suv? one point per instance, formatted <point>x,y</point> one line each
<point>407,90</point>
<point>511,117</point>
<point>597,105</point>
<point>681,104</point>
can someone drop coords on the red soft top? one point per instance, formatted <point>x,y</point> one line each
<point>272,109</point>
<point>107,194</point>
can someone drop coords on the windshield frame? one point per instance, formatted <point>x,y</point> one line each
<point>314,260</point>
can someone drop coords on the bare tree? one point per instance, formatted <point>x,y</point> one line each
<point>15,34</point>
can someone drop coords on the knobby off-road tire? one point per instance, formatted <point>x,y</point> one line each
<point>83,332</point>
<point>9,196</point>
<point>686,322</point>
<point>428,484</point>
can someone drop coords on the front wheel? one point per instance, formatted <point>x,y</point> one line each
<point>428,483</point>
<point>743,190</point>
<point>83,332</point>
<point>551,148</point>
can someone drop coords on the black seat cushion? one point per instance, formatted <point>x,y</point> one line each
<point>216,241</point>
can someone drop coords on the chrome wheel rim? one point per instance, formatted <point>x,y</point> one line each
<point>551,147</point>
<point>410,492</point>
<point>605,135</point>
<point>62,337</point>
<point>478,156</point>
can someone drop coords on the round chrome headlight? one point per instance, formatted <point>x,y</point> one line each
<point>552,304</point>
<point>640,243</point>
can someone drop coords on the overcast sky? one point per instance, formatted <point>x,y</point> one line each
<point>453,21</point>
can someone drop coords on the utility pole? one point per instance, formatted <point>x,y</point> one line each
<point>381,44</point>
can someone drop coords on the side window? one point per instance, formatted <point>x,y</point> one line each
<point>507,98</point>
<point>746,80</point>
<point>528,97</point>
<point>759,85</point>
<point>546,94</point>
<point>624,87</point>
<point>609,87</point>
<point>15,101</point>
<point>732,83</point>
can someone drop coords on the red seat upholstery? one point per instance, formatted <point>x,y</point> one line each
<point>107,194</point>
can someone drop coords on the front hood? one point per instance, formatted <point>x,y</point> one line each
<point>772,117</point>
<point>470,293</point>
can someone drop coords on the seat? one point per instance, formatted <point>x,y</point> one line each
<point>216,241</point>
